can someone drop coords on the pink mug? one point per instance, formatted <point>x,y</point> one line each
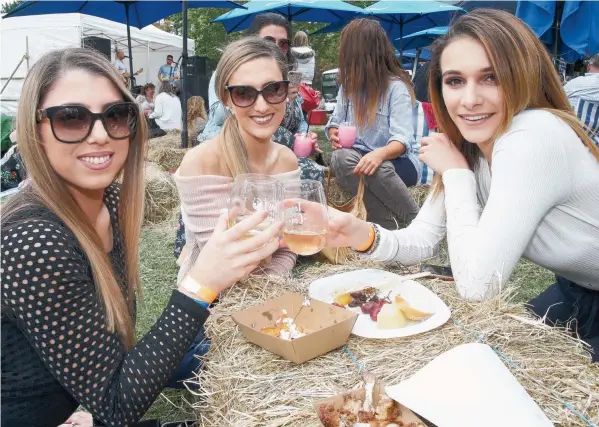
<point>302,145</point>
<point>347,135</point>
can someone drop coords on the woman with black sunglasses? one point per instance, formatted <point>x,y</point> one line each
<point>251,82</point>
<point>276,29</point>
<point>70,243</point>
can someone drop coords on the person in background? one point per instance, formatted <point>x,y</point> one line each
<point>516,176</point>
<point>420,81</point>
<point>243,145</point>
<point>196,118</point>
<point>294,123</point>
<point>585,87</point>
<point>168,72</point>
<point>167,108</point>
<point>376,97</point>
<point>70,285</point>
<point>120,65</point>
<point>146,99</point>
<point>305,57</point>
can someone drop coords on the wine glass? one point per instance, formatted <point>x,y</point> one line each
<point>254,193</point>
<point>305,216</point>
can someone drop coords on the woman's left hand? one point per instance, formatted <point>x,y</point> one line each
<point>440,154</point>
<point>314,140</point>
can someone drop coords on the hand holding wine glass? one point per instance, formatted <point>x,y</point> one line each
<point>230,255</point>
<point>304,231</point>
<point>254,193</point>
<point>343,229</point>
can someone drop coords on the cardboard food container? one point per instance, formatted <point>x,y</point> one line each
<point>328,327</point>
<point>326,409</point>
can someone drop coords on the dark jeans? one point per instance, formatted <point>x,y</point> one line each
<point>190,364</point>
<point>386,195</point>
<point>566,303</point>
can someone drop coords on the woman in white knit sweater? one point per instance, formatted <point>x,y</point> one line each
<point>516,176</point>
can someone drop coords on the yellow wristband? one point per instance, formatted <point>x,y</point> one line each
<point>203,292</point>
<point>368,244</point>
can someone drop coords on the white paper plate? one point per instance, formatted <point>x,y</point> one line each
<point>418,296</point>
<point>469,386</point>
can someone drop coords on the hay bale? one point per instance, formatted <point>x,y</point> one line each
<point>168,158</point>
<point>172,139</point>
<point>162,198</point>
<point>246,385</point>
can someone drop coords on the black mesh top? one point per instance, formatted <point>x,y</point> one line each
<point>56,351</point>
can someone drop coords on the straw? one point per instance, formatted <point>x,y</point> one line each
<point>245,385</point>
<point>162,198</point>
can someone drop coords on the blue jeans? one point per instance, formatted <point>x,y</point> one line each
<point>564,302</point>
<point>190,364</point>
<point>386,193</point>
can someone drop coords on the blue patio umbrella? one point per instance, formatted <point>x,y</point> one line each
<point>570,27</point>
<point>405,17</point>
<point>294,10</point>
<point>424,55</point>
<point>423,38</point>
<point>508,6</point>
<point>137,13</point>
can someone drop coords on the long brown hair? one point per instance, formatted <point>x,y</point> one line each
<point>367,64</point>
<point>523,70</point>
<point>47,188</point>
<point>234,154</point>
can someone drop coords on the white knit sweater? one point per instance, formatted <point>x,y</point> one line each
<point>542,203</point>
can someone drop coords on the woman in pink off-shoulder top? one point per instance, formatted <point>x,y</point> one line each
<point>251,81</point>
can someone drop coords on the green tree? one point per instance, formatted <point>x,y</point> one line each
<point>210,39</point>
<point>9,6</point>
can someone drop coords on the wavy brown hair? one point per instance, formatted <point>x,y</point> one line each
<point>48,189</point>
<point>367,64</point>
<point>524,73</point>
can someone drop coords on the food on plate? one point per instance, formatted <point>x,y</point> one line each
<point>343,299</point>
<point>285,328</point>
<point>391,317</point>
<point>394,315</point>
<point>366,407</point>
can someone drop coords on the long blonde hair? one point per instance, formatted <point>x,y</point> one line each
<point>195,109</point>
<point>50,190</point>
<point>235,157</point>
<point>523,70</point>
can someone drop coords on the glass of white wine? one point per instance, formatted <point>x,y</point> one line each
<point>254,193</point>
<point>305,227</point>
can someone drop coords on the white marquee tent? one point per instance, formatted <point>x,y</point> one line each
<point>43,33</point>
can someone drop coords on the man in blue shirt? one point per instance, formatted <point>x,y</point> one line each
<point>169,71</point>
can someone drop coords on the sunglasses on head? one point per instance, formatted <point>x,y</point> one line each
<point>283,43</point>
<point>74,123</point>
<point>246,96</point>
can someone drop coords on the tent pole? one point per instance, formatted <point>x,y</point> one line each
<point>27,51</point>
<point>183,76</point>
<point>129,44</point>
<point>416,59</point>
<point>559,9</point>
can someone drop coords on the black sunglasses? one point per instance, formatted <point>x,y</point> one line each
<point>73,123</point>
<point>283,43</point>
<point>246,96</point>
